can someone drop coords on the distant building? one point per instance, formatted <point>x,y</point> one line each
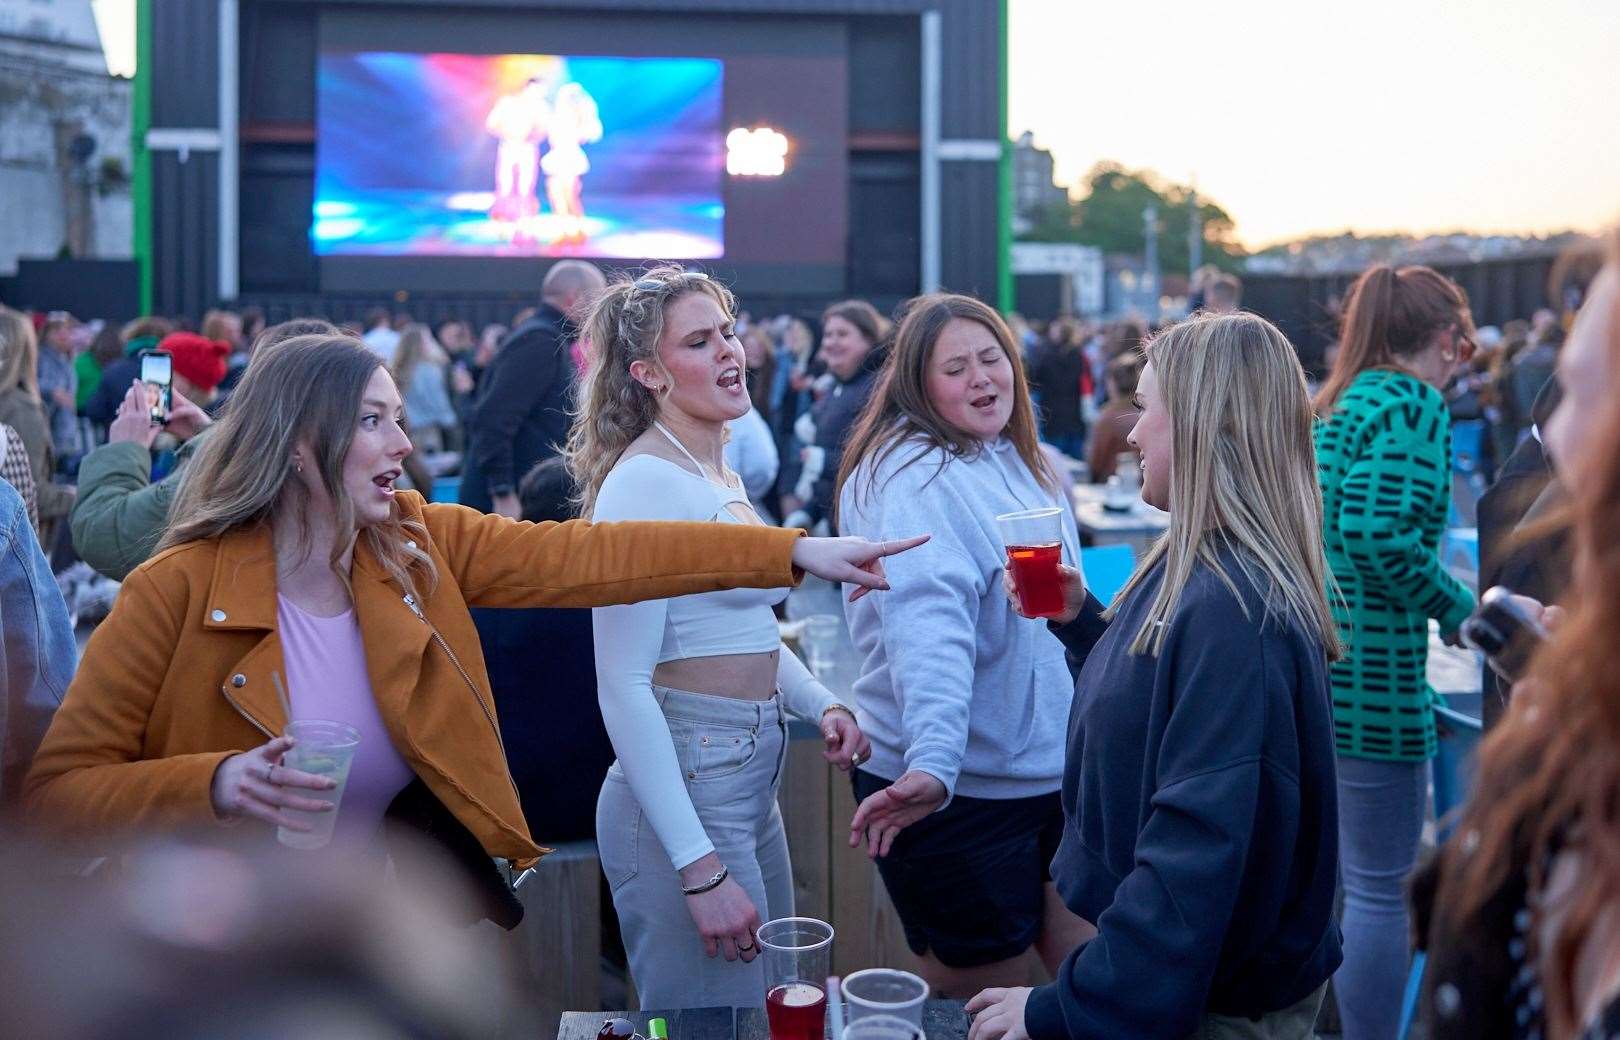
<point>1349,253</point>
<point>64,136</point>
<point>1033,186</point>
<point>1058,279</point>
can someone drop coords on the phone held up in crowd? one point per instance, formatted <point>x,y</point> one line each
<point>1505,632</point>
<point>157,375</point>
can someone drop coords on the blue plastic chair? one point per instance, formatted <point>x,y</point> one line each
<point>1414,989</point>
<point>446,489</point>
<point>1468,446</point>
<point>1461,732</point>
<point>1453,777</point>
<point>1459,551</point>
<point>1108,568</point>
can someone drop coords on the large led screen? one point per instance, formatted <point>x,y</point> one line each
<point>518,155</point>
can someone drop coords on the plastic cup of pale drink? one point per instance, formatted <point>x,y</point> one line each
<point>326,749</point>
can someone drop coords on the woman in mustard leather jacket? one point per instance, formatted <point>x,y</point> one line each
<point>291,557</point>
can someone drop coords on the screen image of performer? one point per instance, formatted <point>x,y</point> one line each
<point>574,122</point>
<point>520,120</point>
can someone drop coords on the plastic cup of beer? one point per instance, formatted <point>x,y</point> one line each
<point>883,1027</point>
<point>798,959</point>
<point>884,991</point>
<point>1034,541</point>
<point>325,749</point>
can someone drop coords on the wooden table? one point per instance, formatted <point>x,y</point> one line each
<point>942,1020</point>
<point>833,882</point>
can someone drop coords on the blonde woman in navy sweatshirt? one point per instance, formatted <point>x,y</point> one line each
<point>1200,817</point>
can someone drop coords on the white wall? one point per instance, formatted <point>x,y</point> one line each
<point>58,78</point>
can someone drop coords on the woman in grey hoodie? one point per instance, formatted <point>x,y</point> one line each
<point>963,700</point>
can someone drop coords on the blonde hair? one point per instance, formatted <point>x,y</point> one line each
<point>612,408</point>
<point>1243,474</point>
<point>798,339</point>
<point>416,346</point>
<point>19,353</point>
<point>900,409</point>
<point>307,390</point>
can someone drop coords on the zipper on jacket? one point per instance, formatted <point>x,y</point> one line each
<point>410,601</point>
<point>239,710</point>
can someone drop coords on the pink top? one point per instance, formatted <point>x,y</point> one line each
<point>326,679</point>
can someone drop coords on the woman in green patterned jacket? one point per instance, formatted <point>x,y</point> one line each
<point>1383,442</point>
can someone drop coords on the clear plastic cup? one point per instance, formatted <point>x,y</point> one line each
<point>820,642</point>
<point>1034,541</point>
<point>1129,468</point>
<point>884,991</point>
<point>798,959</point>
<point>325,749</point>
<point>883,1027</point>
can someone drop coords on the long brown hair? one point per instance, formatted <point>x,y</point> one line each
<point>1549,775</point>
<point>1391,314</point>
<point>899,408</point>
<point>1243,474</point>
<point>613,408</point>
<point>304,389</point>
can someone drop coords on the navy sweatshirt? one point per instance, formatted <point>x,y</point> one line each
<point>1200,818</point>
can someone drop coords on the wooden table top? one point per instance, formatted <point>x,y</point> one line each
<point>942,1020</point>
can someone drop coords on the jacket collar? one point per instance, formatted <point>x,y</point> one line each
<point>244,571</point>
<point>242,597</point>
<point>241,594</point>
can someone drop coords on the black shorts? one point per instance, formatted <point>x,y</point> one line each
<point>969,881</point>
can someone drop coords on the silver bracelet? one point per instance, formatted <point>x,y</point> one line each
<point>707,886</point>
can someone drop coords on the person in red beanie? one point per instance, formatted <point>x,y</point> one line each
<point>199,365</point>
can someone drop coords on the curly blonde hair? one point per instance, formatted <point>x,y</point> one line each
<point>611,408</point>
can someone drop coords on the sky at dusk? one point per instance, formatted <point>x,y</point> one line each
<point>1314,117</point>
<point>1306,117</point>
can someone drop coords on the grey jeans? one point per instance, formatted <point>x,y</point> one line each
<point>1291,1023</point>
<point>731,754</point>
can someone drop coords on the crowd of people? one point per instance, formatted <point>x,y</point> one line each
<point>1190,807</point>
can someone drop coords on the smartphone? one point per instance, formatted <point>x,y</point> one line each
<point>157,372</point>
<point>1504,632</point>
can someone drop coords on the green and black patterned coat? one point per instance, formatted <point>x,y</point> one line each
<point>1383,455</point>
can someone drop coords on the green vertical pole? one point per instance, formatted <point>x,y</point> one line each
<point>1004,188</point>
<point>140,122</point>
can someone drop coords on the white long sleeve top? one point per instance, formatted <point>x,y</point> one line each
<point>633,639</point>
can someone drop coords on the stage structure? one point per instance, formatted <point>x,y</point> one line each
<point>322,156</point>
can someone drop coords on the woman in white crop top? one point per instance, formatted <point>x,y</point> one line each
<point>694,690</point>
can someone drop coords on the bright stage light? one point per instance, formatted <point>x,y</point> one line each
<point>760,152</point>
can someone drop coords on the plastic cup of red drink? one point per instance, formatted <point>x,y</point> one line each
<point>1034,541</point>
<point>798,958</point>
